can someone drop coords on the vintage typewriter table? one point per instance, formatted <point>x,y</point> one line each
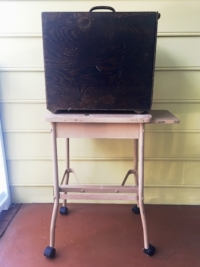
<point>118,126</point>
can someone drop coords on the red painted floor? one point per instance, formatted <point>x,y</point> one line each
<point>94,235</point>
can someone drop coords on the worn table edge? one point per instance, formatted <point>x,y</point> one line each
<point>98,118</point>
<point>154,116</point>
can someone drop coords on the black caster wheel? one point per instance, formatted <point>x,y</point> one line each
<point>50,252</point>
<point>63,210</point>
<point>135,209</point>
<point>150,251</point>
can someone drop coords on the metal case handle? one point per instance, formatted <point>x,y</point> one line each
<point>102,7</point>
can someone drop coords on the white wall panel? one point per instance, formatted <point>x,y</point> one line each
<point>21,194</point>
<point>171,196</point>
<point>102,172</point>
<point>163,173</point>
<point>38,145</point>
<point>21,52</point>
<point>30,85</point>
<point>99,172</point>
<point>25,16</point>
<point>28,52</point>
<point>24,116</point>
<point>157,145</point>
<point>177,85</point>
<point>35,172</point>
<point>172,145</point>
<point>191,173</point>
<point>22,85</point>
<point>178,52</point>
<point>172,152</point>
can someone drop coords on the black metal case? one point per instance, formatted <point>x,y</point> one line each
<point>99,61</point>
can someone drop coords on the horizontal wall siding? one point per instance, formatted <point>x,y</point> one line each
<point>157,145</point>
<point>187,111</point>
<point>22,85</point>
<point>168,85</point>
<point>101,171</point>
<point>177,15</point>
<point>171,52</point>
<point>172,152</point>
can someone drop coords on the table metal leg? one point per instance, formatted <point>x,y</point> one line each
<point>148,248</point>
<point>136,208</point>
<point>66,181</point>
<point>141,184</point>
<point>135,167</point>
<point>56,187</point>
<point>50,250</point>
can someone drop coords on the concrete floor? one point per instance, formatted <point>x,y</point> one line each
<point>98,235</point>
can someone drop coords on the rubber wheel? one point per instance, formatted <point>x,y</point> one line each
<point>150,251</point>
<point>136,210</point>
<point>63,210</point>
<point>49,252</point>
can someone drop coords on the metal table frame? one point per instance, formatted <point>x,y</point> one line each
<point>117,126</point>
